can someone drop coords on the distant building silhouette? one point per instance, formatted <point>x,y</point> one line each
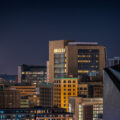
<point>113,61</point>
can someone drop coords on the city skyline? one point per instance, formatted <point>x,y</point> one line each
<point>27,27</point>
<point>59,59</point>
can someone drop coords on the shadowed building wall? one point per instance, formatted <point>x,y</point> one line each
<point>111,90</point>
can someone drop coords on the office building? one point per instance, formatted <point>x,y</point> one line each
<point>32,75</point>
<point>85,60</point>
<point>63,89</point>
<point>28,95</point>
<point>82,90</point>
<point>111,92</point>
<point>90,90</point>
<point>36,113</point>
<point>9,99</point>
<point>46,94</point>
<point>98,91</point>
<point>113,61</point>
<point>86,108</point>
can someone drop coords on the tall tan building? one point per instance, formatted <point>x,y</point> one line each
<point>85,60</point>
<point>57,59</point>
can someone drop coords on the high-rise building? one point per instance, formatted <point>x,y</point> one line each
<point>86,108</point>
<point>46,94</point>
<point>111,90</point>
<point>28,95</point>
<point>113,61</point>
<point>63,89</point>
<point>85,60</point>
<point>32,75</point>
<point>57,59</point>
<point>9,99</point>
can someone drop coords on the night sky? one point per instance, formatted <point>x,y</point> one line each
<point>26,26</point>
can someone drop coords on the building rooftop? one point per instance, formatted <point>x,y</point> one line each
<point>33,66</point>
<point>83,43</point>
<point>46,84</point>
<point>65,78</point>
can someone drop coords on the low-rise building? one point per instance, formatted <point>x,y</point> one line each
<point>9,99</point>
<point>28,95</point>
<point>63,89</point>
<point>90,90</point>
<point>46,94</point>
<point>86,108</point>
<point>32,74</point>
<point>36,113</point>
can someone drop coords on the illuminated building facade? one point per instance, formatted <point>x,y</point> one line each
<point>86,108</point>
<point>90,59</point>
<point>93,90</point>
<point>98,91</point>
<point>57,59</point>
<point>82,90</point>
<point>9,99</point>
<point>87,58</point>
<point>38,113</point>
<point>46,94</point>
<point>28,95</point>
<point>63,89</point>
<point>32,75</point>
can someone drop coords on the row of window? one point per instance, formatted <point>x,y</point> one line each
<point>65,85</point>
<point>68,81</point>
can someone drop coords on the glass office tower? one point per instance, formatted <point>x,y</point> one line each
<point>88,64</point>
<point>32,75</point>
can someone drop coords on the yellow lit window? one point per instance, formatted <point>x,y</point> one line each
<point>84,61</point>
<point>83,71</point>
<point>59,50</point>
<point>84,56</point>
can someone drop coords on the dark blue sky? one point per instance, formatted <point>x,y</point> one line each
<point>26,26</point>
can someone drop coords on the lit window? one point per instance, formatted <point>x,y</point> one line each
<point>60,50</point>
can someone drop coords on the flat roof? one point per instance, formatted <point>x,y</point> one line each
<point>65,78</point>
<point>46,84</point>
<point>83,43</point>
